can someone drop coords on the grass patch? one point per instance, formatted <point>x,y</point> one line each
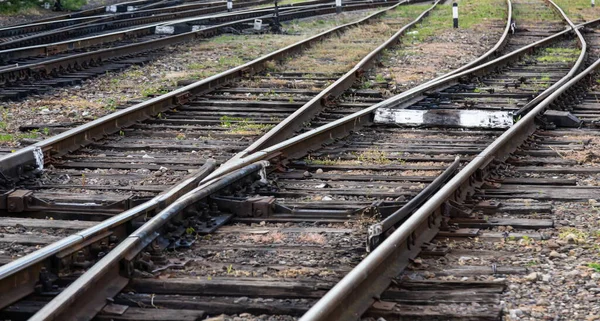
<point>339,53</point>
<point>374,156</point>
<point>197,66</point>
<point>472,14</point>
<point>243,126</point>
<point>153,91</point>
<point>6,138</point>
<point>10,138</point>
<point>309,160</point>
<point>595,266</point>
<point>578,236</point>
<point>555,55</point>
<point>579,9</point>
<point>73,4</point>
<point>524,12</point>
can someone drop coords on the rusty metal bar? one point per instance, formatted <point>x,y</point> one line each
<point>80,301</point>
<point>121,21</point>
<point>383,262</point>
<point>295,121</point>
<point>356,292</point>
<point>19,277</point>
<point>562,81</point>
<point>63,46</point>
<point>298,145</point>
<point>375,231</point>
<point>32,157</point>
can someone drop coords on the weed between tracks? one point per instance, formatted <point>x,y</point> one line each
<point>471,15</point>
<point>376,157</point>
<point>532,13</point>
<point>244,126</point>
<point>579,10</point>
<point>193,61</point>
<point>339,53</point>
<point>559,55</point>
<point>433,46</point>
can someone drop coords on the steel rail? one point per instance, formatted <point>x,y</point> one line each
<point>86,296</point>
<point>297,145</point>
<point>80,43</point>
<point>294,122</point>
<point>88,14</point>
<point>357,291</point>
<point>561,82</point>
<point>19,277</point>
<point>42,26</point>
<point>375,231</point>
<point>79,14</point>
<point>56,65</point>
<point>78,22</point>
<point>430,213</point>
<point>112,22</point>
<point>106,269</point>
<point>66,29</point>
<point>31,158</point>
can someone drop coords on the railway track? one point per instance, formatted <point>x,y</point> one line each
<point>112,23</point>
<point>123,11</point>
<point>496,205</point>
<point>58,65</point>
<point>104,198</point>
<point>327,189</point>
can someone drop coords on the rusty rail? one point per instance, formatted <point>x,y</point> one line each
<point>18,278</point>
<point>294,122</point>
<point>86,296</point>
<point>31,158</point>
<point>355,293</point>
<point>64,46</point>
<point>298,145</point>
<point>125,20</point>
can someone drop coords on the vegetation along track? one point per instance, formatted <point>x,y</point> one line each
<point>40,68</point>
<point>100,192</point>
<point>462,273</point>
<point>288,208</point>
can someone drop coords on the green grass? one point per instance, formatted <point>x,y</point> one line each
<point>524,12</point>
<point>230,61</point>
<point>559,55</point>
<point>472,13</point>
<point>5,138</point>
<point>240,125</point>
<point>73,4</point>
<point>316,161</point>
<point>9,138</point>
<point>595,266</point>
<point>152,91</point>
<point>579,10</point>
<point>196,66</point>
